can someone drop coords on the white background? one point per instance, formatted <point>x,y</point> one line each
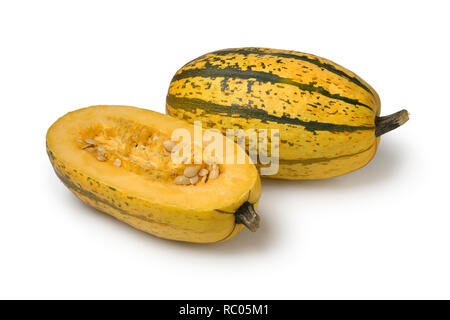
<point>381,232</point>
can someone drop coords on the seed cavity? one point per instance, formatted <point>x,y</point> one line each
<point>147,154</point>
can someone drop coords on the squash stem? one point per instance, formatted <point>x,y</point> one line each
<point>247,216</point>
<point>390,122</point>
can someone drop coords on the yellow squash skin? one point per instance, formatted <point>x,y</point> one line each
<point>326,115</point>
<point>204,223</point>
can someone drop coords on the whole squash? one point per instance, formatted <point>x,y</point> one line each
<point>327,116</point>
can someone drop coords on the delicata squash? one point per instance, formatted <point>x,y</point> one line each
<point>328,117</point>
<point>118,160</point>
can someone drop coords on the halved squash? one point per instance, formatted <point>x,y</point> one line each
<point>118,160</point>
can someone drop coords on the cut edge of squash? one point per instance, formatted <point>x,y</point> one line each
<point>227,192</point>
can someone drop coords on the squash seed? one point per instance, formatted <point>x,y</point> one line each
<point>177,147</point>
<point>100,149</point>
<point>90,141</point>
<point>169,145</point>
<point>101,158</point>
<point>212,165</point>
<point>193,180</point>
<point>191,171</point>
<point>203,172</point>
<point>87,146</point>
<point>214,173</point>
<point>182,180</point>
<point>117,162</point>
